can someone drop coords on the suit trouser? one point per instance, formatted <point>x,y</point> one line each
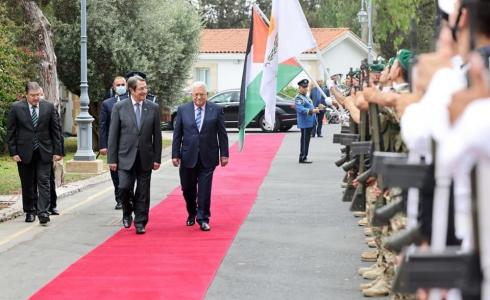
<point>196,185</point>
<point>115,182</point>
<point>305,143</point>
<point>141,200</point>
<point>52,188</point>
<point>317,128</point>
<point>35,179</point>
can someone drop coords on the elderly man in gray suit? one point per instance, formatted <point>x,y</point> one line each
<point>135,149</point>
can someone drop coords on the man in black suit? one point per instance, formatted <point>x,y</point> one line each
<point>135,148</point>
<point>53,203</point>
<point>199,144</point>
<point>33,136</point>
<point>120,88</point>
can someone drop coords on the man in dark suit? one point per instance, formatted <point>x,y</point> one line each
<point>199,144</point>
<point>120,88</point>
<point>319,102</point>
<point>53,203</point>
<point>33,136</point>
<point>135,148</point>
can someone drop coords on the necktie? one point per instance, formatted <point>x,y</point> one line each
<point>34,116</point>
<point>198,118</point>
<point>138,115</point>
<point>35,119</point>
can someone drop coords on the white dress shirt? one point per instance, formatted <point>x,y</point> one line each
<point>134,106</point>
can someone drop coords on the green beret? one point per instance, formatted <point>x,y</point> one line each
<point>404,58</point>
<point>357,73</point>
<point>376,68</point>
<point>391,61</point>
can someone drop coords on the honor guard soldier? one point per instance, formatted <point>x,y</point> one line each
<point>306,113</point>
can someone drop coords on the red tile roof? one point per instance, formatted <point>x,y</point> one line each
<point>235,40</point>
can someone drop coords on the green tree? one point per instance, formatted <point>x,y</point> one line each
<point>158,37</point>
<point>16,64</point>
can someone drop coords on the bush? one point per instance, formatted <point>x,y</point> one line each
<point>70,145</point>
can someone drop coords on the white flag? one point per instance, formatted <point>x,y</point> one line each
<point>289,36</point>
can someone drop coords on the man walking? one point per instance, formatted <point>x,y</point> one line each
<point>53,204</point>
<point>33,136</point>
<point>320,103</point>
<point>135,148</point>
<point>119,86</point>
<point>199,144</point>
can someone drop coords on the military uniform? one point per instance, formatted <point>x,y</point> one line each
<point>306,121</point>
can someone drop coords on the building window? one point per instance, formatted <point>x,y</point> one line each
<point>202,74</point>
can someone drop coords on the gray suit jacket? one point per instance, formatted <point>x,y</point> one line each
<point>125,140</point>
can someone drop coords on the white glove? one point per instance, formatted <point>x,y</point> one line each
<point>330,84</point>
<point>329,101</point>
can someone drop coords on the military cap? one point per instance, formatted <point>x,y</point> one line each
<point>303,82</point>
<point>404,58</point>
<point>446,6</point>
<point>134,73</point>
<point>377,68</point>
<point>391,61</point>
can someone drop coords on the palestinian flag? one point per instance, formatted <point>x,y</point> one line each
<point>251,102</point>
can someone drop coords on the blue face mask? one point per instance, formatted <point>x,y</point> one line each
<point>120,90</point>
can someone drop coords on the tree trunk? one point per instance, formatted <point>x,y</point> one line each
<point>48,73</point>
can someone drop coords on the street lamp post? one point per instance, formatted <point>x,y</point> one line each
<point>84,119</point>
<point>362,18</point>
<point>370,31</point>
<point>365,18</point>
<point>84,160</point>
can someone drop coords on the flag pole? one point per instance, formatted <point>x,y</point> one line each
<point>262,14</point>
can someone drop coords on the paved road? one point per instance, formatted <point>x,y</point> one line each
<point>299,241</point>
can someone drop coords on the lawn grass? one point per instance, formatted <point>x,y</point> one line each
<point>9,176</point>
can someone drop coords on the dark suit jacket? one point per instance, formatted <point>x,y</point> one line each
<point>125,140</point>
<point>105,119</point>
<point>209,144</point>
<point>21,131</point>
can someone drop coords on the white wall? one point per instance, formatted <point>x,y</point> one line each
<point>346,54</point>
<point>227,69</point>
<point>230,74</point>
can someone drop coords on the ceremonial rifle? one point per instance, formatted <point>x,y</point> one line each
<point>452,267</point>
<point>359,197</point>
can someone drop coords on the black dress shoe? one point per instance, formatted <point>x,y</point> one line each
<point>320,136</point>
<point>205,226</point>
<point>54,211</point>
<point>190,221</point>
<point>30,218</point>
<point>140,229</point>
<point>118,205</point>
<point>43,218</point>
<point>305,161</point>
<point>127,221</point>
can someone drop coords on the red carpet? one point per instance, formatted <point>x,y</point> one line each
<point>172,261</point>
